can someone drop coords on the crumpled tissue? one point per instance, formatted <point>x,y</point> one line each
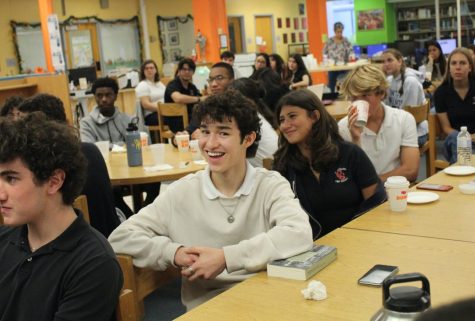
<point>315,290</point>
<point>156,168</point>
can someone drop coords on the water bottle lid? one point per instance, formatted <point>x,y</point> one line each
<point>407,299</point>
<point>463,128</point>
<point>133,125</point>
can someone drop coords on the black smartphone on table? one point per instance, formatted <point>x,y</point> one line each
<point>377,274</point>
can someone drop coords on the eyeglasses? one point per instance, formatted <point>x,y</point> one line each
<point>219,78</point>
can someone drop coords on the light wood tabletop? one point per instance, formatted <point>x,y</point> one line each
<point>348,66</point>
<point>451,217</point>
<point>447,264</point>
<point>338,109</point>
<point>121,174</point>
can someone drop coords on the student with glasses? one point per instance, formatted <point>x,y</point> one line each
<point>220,77</point>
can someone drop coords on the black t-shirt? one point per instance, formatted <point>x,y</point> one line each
<point>336,197</point>
<point>74,277</point>
<point>461,112</point>
<point>173,86</point>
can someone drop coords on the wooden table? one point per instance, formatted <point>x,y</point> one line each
<point>451,217</point>
<point>449,266</point>
<point>121,174</point>
<point>338,109</point>
<point>348,66</point>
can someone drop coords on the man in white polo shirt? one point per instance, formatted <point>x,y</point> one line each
<point>390,136</point>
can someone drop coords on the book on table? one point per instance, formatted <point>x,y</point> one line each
<point>304,265</point>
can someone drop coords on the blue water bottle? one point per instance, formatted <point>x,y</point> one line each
<point>134,145</point>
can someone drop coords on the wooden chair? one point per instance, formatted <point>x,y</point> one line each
<point>81,204</point>
<point>142,282</point>
<point>126,309</point>
<point>170,110</point>
<point>420,114</point>
<point>435,131</point>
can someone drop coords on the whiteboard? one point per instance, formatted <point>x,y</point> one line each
<point>31,49</point>
<point>120,47</point>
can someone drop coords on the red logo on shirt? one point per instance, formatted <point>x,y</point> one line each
<point>340,174</point>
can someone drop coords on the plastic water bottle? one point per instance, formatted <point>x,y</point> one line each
<point>464,147</point>
<point>134,145</point>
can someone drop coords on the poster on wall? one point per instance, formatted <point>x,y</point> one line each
<point>55,43</point>
<point>371,19</point>
<point>81,48</point>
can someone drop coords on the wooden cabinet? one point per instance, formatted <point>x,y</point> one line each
<point>417,20</point>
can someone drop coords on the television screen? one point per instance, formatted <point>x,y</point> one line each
<point>407,48</point>
<point>84,72</point>
<point>447,45</point>
<point>376,49</point>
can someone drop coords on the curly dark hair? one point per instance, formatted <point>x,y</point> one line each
<point>228,105</point>
<point>142,70</point>
<point>44,146</point>
<point>105,82</point>
<point>50,105</point>
<point>322,140</point>
<point>10,104</point>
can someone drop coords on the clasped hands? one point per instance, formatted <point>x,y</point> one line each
<point>200,262</point>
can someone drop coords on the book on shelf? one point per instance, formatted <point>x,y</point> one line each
<point>304,265</point>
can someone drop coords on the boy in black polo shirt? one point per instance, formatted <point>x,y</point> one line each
<point>53,265</point>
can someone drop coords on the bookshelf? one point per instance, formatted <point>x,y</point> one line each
<point>416,20</point>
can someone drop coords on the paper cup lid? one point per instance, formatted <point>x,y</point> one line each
<point>396,181</point>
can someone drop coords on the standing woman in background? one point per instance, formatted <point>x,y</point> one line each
<point>334,180</point>
<point>278,65</point>
<point>150,91</point>
<point>300,78</point>
<point>455,100</point>
<point>337,48</point>
<point>405,88</point>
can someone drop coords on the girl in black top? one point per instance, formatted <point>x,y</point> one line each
<point>334,180</point>
<point>300,78</point>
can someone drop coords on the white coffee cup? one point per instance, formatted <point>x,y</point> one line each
<point>158,153</point>
<point>195,149</point>
<point>104,149</point>
<point>144,138</point>
<point>428,75</point>
<point>397,188</point>
<point>183,142</point>
<point>362,107</point>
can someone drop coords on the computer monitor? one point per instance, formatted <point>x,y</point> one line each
<point>357,51</point>
<point>447,45</point>
<point>84,72</point>
<point>407,48</point>
<point>376,49</point>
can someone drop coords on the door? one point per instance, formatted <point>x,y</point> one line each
<point>235,34</point>
<point>264,34</point>
<point>80,44</point>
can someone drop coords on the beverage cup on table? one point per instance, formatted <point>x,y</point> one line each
<point>195,149</point>
<point>362,107</point>
<point>144,138</point>
<point>183,142</point>
<point>397,188</point>
<point>158,153</point>
<point>104,149</point>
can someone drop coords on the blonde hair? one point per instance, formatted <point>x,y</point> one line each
<point>364,80</point>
